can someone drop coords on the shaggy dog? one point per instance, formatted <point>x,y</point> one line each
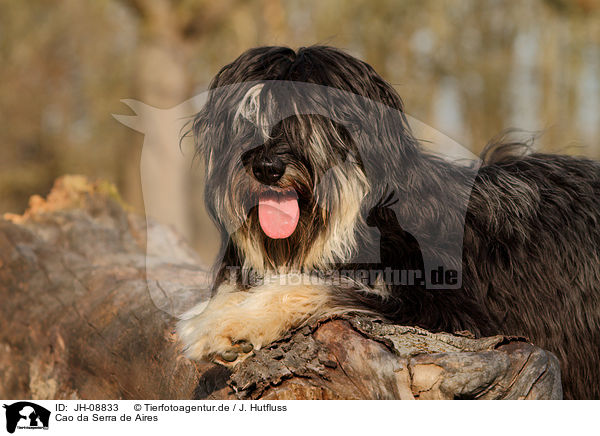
<point>327,204</point>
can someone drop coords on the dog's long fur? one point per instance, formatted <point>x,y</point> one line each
<point>530,250</point>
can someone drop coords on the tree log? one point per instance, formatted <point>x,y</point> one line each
<point>77,322</point>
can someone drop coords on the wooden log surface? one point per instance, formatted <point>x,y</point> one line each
<point>77,322</point>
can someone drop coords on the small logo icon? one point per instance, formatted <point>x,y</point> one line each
<point>26,415</point>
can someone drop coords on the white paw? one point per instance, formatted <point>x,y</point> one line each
<point>204,340</point>
<point>215,331</point>
<point>234,323</point>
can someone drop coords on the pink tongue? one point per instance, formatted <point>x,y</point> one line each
<point>278,214</point>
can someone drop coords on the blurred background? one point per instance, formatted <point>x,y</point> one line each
<point>469,68</point>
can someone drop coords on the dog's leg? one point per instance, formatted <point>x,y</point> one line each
<point>235,322</point>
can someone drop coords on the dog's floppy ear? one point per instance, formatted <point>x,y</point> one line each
<point>249,108</point>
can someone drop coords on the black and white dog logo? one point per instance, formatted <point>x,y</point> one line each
<point>26,415</point>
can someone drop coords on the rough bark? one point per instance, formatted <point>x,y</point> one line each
<point>77,321</point>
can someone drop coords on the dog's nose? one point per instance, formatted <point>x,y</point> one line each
<point>268,169</point>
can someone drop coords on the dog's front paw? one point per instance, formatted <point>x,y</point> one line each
<point>205,338</point>
<point>233,324</point>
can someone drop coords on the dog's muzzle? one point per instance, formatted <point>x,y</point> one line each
<point>268,169</point>
<point>278,209</point>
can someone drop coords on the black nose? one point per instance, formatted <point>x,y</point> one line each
<point>268,169</point>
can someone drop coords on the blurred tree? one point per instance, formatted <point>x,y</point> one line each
<point>170,32</point>
<point>63,64</point>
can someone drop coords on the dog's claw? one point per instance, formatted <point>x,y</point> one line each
<point>229,356</point>
<point>243,346</point>
<point>247,347</point>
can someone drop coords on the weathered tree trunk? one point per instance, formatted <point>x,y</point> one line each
<point>77,321</point>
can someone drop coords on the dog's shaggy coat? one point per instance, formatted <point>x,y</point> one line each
<point>530,245</point>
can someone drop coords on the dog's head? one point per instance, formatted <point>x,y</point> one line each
<point>287,174</point>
